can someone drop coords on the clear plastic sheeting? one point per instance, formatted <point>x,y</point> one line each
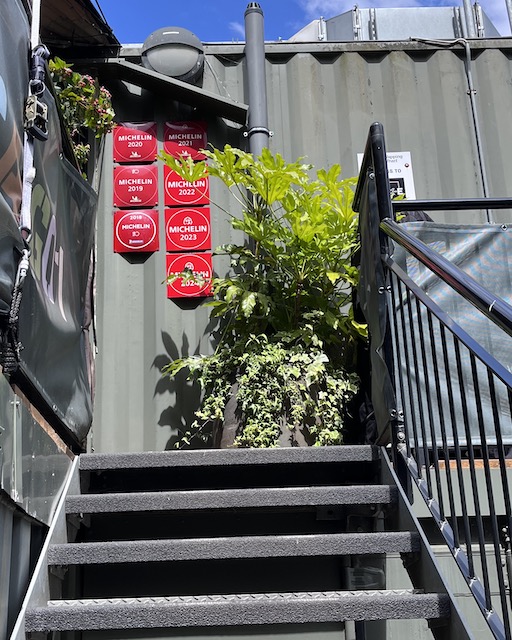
<point>33,466</point>
<point>443,382</point>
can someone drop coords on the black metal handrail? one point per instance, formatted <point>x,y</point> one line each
<point>450,398</point>
<point>454,204</point>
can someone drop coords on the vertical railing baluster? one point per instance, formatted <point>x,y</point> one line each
<point>412,412</point>
<point>421,454</point>
<point>430,412</point>
<point>472,475</point>
<point>446,450</point>
<point>460,478</point>
<point>490,496</point>
<point>500,449</point>
<point>396,295</point>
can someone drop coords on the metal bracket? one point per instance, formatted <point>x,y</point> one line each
<point>248,134</point>
<point>23,268</point>
<point>36,118</point>
<point>356,23</point>
<point>373,25</point>
<point>399,426</point>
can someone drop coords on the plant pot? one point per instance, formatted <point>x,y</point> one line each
<point>224,434</point>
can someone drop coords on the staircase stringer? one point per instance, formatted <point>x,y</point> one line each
<point>424,571</point>
<point>38,592</point>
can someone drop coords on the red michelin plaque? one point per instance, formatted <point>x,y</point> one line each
<point>200,264</point>
<point>135,142</point>
<point>179,192</point>
<point>185,139</point>
<point>135,231</point>
<point>135,186</point>
<point>187,229</point>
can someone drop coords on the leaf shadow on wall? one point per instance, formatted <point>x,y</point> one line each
<point>187,394</point>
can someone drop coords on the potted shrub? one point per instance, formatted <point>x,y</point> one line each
<point>282,372</point>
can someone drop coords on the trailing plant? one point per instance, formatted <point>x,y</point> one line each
<point>84,103</point>
<point>287,328</point>
<point>285,394</point>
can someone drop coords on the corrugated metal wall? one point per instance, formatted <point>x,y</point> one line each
<point>322,100</point>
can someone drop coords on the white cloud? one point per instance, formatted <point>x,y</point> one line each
<point>238,29</point>
<point>495,9</point>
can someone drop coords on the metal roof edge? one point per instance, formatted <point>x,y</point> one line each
<point>290,48</point>
<point>183,92</point>
<point>360,46</point>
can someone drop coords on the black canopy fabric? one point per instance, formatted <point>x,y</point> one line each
<point>14,46</point>
<point>53,322</point>
<point>54,371</point>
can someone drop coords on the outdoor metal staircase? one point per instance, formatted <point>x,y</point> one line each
<point>238,541</point>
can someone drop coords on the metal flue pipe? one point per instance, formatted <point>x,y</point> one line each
<point>508,4</point>
<point>470,19</point>
<point>258,131</point>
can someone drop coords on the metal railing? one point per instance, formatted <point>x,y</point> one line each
<point>442,400</point>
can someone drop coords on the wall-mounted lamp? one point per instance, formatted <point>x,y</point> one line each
<point>174,52</point>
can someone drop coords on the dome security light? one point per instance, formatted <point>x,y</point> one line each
<point>174,52</point>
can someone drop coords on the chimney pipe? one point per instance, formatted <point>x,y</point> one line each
<point>258,132</point>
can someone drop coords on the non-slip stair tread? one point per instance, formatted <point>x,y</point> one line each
<point>228,457</point>
<point>236,609</point>
<point>233,548</point>
<point>245,597</point>
<point>231,499</point>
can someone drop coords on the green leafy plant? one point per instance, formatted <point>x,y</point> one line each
<point>287,328</point>
<point>84,103</point>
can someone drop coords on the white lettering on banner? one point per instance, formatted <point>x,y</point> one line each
<point>174,184</point>
<point>188,229</point>
<point>52,262</point>
<point>128,181</point>
<point>135,136</point>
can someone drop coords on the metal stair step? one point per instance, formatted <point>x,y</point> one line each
<point>230,499</point>
<point>233,547</point>
<point>228,610</point>
<point>228,457</point>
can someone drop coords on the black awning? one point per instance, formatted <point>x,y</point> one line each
<point>119,69</point>
<point>69,24</point>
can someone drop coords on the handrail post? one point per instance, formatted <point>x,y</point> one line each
<point>385,211</point>
<point>374,177</point>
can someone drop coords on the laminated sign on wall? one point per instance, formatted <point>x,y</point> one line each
<point>188,229</point>
<point>185,139</point>
<point>179,192</point>
<point>200,267</point>
<point>135,142</point>
<point>136,230</point>
<point>137,206</point>
<point>135,186</point>
<point>401,179</point>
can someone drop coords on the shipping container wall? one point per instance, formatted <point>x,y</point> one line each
<point>450,111</point>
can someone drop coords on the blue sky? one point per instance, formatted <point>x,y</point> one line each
<point>223,20</point>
